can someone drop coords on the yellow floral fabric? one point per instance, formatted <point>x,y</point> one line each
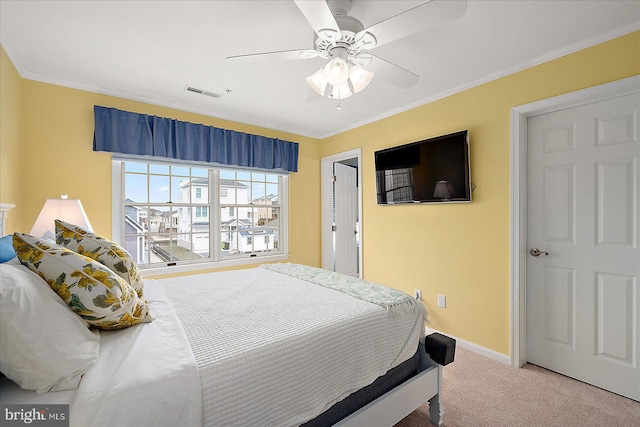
<point>94,292</point>
<point>102,250</point>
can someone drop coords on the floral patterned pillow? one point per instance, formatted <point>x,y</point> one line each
<point>94,292</point>
<point>102,250</point>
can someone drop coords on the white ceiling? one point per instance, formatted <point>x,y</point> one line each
<point>151,50</point>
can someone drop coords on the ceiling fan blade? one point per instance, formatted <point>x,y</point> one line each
<point>392,73</point>
<point>281,54</point>
<point>320,18</point>
<point>415,20</point>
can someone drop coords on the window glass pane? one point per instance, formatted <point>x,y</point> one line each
<point>273,217</point>
<point>184,219</point>
<point>195,190</point>
<point>159,247</point>
<point>272,193</point>
<point>135,167</point>
<point>135,188</point>
<point>272,178</point>
<point>190,247</point>
<point>183,250</point>
<point>228,239</point>
<point>226,214</point>
<point>158,189</point>
<point>244,192</point>
<point>227,191</point>
<point>158,219</point>
<point>201,244</point>
<point>245,241</point>
<point>245,176</point>
<point>200,172</point>
<point>180,170</point>
<point>159,169</point>
<point>244,215</point>
<point>135,244</point>
<point>227,174</point>
<point>257,177</point>
<point>180,190</point>
<point>258,193</point>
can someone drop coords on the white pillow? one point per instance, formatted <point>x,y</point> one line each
<point>44,346</point>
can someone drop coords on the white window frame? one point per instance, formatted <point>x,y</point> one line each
<point>118,208</point>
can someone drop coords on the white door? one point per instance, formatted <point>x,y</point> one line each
<point>582,295</point>
<point>345,219</point>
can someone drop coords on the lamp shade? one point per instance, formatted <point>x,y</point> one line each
<point>336,72</point>
<point>317,81</point>
<point>342,79</point>
<point>340,92</point>
<point>68,210</point>
<point>443,190</point>
<point>360,78</point>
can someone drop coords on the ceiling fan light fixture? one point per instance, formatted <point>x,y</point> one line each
<point>340,92</point>
<point>360,78</point>
<point>317,81</point>
<point>336,72</point>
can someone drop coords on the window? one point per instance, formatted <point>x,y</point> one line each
<point>181,214</point>
<point>202,212</point>
<point>253,205</point>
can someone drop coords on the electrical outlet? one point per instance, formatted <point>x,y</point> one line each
<point>417,294</point>
<point>442,301</point>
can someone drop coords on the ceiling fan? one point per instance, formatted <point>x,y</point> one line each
<point>343,40</point>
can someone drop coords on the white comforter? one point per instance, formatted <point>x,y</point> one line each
<point>144,376</point>
<point>257,347</point>
<point>273,350</point>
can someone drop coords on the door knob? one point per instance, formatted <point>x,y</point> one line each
<point>538,252</point>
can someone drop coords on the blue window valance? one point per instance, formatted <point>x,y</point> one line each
<point>118,131</point>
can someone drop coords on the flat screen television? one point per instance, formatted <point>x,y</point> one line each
<point>434,170</point>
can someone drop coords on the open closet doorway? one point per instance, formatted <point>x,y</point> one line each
<point>342,212</point>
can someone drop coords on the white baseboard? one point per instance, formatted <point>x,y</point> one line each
<point>483,351</point>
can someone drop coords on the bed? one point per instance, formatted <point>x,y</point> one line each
<point>277,345</point>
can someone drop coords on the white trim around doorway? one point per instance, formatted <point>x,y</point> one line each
<point>327,205</point>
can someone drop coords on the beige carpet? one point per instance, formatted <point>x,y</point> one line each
<point>482,392</point>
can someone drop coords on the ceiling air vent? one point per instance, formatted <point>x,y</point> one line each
<point>203,92</point>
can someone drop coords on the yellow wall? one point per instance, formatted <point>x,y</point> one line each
<point>10,102</point>
<point>462,250</point>
<point>56,147</point>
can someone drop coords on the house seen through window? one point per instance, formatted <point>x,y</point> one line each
<point>169,213</point>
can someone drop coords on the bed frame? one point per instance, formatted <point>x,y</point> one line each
<point>4,210</point>
<point>392,407</point>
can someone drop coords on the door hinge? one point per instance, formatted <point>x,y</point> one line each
<point>334,228</point>
<point>334,178</point>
